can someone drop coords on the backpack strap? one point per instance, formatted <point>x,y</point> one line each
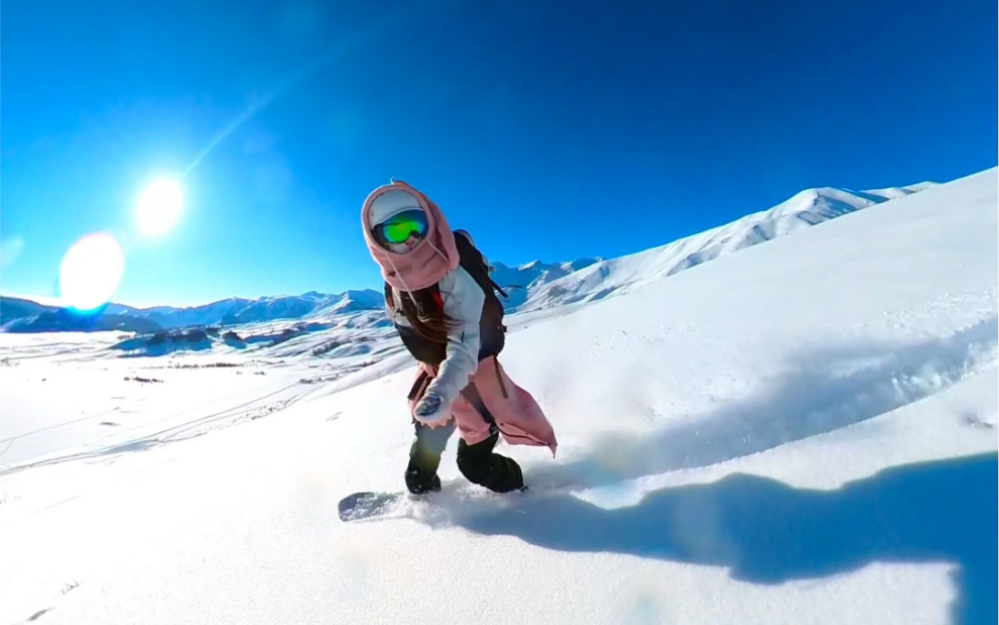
<point>498,288</point>
<point>474,262</point>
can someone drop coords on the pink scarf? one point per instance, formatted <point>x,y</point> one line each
<point>427,263</point>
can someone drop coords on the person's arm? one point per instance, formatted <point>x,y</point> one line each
<point>463,300</point>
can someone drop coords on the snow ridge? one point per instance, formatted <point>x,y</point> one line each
<point>808,208</point>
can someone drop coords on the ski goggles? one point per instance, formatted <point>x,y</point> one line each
<point>399,227</point>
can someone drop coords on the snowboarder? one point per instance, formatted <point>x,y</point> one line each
<point>444,305</point>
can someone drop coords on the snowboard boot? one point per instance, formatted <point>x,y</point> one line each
<point>425,457</point>
<point>419,482</point>
<point>481,466</point>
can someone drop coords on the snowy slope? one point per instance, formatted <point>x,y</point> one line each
<point>804,432</point>
<point>617,276</point>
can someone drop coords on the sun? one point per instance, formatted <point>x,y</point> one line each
<point>159,207</point>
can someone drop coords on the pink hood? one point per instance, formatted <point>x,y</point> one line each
<point>427,263</point>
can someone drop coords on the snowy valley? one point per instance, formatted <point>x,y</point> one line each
<point>802,430</point>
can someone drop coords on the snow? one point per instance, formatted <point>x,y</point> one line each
<point>801,431</point>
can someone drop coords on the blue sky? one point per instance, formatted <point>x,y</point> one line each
<point>549,130</point>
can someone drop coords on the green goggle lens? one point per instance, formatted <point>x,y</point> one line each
<point>399,227</point>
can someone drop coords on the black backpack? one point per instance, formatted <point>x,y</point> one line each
<point>472,261</point>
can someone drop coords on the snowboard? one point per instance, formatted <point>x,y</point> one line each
<point>372,504</point>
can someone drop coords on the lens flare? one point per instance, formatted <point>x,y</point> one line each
<point>10,249</point>
<point>91,271</point>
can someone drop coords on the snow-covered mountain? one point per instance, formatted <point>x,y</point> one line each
<point>234,311</point>
<point>535,285</point>
<point>21,315</point>
<point>811,207</point>
<point>520,282</point>
<point>15,308</point>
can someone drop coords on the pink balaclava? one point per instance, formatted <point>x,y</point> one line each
<point>432,258</point>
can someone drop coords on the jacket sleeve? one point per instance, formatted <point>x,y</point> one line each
<point>463,300</point>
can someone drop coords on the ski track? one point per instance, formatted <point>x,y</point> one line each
<point>241,413</point>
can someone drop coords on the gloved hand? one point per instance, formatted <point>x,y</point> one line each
<point>432,409</point>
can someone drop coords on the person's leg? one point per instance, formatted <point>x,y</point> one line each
<point>425,457</point>
<point>478,463</point>
<point>429,444</point>
<point>481,466</point>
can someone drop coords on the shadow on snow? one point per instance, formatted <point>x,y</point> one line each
<point>767,532</point>
<point>761,529</point>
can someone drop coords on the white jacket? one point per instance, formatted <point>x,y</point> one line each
<point>463,300</point>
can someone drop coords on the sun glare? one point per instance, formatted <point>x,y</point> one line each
<point>91,271</point>
<point>159,207</point>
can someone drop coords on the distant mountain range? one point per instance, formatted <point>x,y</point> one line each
<point>532,286</point>
<point>238,311</point>
<point>23,315</point>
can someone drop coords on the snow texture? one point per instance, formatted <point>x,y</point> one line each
<point>802,431</point>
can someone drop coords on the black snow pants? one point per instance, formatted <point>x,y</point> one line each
<point>476,462</point>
